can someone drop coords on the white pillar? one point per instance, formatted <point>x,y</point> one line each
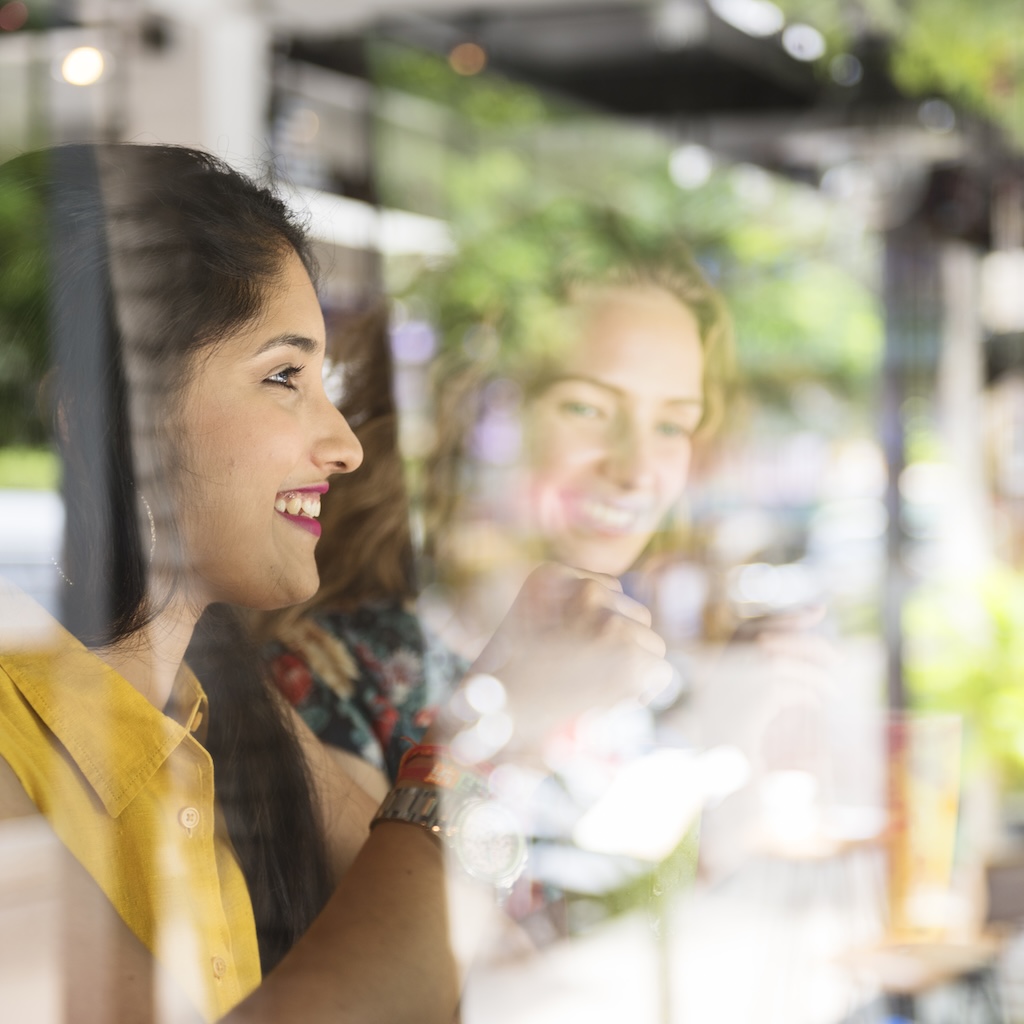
<point>967,539</point>
<point>234,69</point>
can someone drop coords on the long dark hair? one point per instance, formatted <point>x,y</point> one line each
<point>153,254</point>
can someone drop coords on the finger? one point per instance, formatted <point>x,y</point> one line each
<point>643,637</point>
<point>649,641</point>
<point>611,582</point>
<point>590,593</point>
<point>553,588</point>
<point>634,610</point>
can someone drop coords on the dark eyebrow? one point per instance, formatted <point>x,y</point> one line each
<point>306,345</point>
<point>617,392</point>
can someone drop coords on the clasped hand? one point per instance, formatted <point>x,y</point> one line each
<point>571,643</point>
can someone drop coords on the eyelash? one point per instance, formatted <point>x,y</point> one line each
<point>287,373</point>
<point>668,429</point>
<point>584,409</point>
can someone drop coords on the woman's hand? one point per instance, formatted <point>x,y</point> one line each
<point>571,643</point>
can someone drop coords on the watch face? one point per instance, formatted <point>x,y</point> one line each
<point>489,842</point>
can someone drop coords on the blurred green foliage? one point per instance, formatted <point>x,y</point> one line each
<point>843,20</point>
<point>23,285</point>
<point>33,469</point>
<point>972,53</point>
<point>965,654</point>
<point>796,270</point>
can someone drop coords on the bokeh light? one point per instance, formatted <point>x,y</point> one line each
<point>678,23</point>
<point>467,59</point>
<point>756,18</point>
<point>803,42</point>
<point>937,116</point>
<point>84,65</point>
<point>413,342</point>
<point>846,69</point>
<point>304,125</point>
<point>690,166</point>
<point>13,16</point>
<point>485,694</point>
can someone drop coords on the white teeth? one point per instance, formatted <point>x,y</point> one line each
<point>608,515</point>
<point>305,504</point>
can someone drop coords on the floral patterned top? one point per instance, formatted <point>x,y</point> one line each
<point>367,681</point>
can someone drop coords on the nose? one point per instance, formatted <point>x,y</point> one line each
<point>338,450</point>
<point>630,462</point>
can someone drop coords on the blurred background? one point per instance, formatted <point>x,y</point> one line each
<point>849,174</point>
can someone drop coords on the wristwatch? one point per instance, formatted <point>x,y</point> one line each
<point>484,837</point>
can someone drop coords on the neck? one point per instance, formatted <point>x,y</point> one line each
<point>152,658</point>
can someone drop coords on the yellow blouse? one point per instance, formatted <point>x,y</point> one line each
<point>129,791</point>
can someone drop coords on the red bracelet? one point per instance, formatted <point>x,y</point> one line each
<point>434,765</point>
<point>437,752</point>
<point>432,750</point>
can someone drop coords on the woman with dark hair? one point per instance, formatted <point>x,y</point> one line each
<point>183,830</point>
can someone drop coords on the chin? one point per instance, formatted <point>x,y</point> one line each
<point>301,593</point>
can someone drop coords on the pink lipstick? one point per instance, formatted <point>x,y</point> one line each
<point>301,506</point>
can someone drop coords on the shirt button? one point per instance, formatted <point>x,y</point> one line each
<point>220,967</point>
<point>188,818</point>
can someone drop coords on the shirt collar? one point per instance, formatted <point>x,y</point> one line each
<point>187,705</point>
<point>114,735</point>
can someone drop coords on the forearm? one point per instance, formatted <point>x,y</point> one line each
<point>379,951</point>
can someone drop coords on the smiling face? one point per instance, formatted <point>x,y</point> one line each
<point>609,442</point>
<point>261,437</point>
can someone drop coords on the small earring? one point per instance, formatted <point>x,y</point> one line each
<point>152,540</point>
<point>152,526</point>
<point>60,572</point>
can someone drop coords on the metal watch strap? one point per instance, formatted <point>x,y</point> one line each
<point>415,805</point>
